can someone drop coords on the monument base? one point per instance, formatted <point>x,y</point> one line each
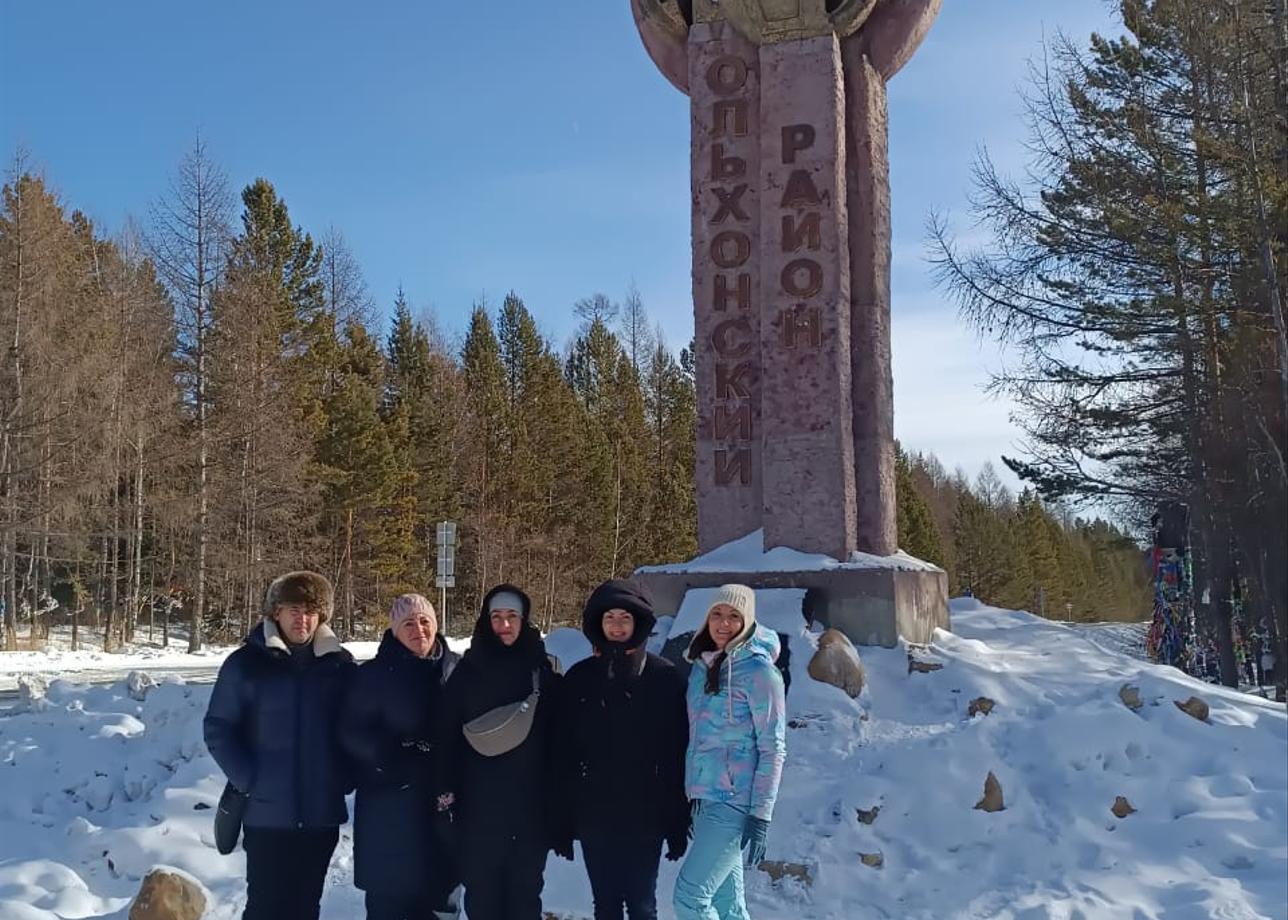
<point>874,600</point>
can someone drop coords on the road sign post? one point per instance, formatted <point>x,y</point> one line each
<point>446,571</point>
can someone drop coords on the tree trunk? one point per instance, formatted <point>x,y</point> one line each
<point>78,602</point>
<point>347,617</point>
<point>1266,242</point>
<point>112,560</point>
<point>152,588</point>
<point>44,572</point>
<point>617,512</point>
<point>169,596</point>
<point>8,451</point>
<point>136,564</point>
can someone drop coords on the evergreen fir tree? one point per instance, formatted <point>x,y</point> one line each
<point>917,532</point>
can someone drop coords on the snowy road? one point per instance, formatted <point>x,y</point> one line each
<point>1123,638</point>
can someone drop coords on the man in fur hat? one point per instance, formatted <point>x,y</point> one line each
<point>272,728</point>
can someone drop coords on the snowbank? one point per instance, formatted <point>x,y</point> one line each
<point>56,658</point>
<point>99,788</point>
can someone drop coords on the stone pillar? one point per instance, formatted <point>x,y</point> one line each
<point>809,479</point>
<point>791,288</point>
<point>867,176</point>
<point>791,266</point>
<point>724,93</point>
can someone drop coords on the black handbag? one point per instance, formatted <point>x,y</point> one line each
<point>228,818</point>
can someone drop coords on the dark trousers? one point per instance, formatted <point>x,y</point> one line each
<point>285,871</point>
<point>421,907</point>
<point>503,874</point>
<point>623,874</point>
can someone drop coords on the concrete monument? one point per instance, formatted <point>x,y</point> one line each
<point>791,287</point>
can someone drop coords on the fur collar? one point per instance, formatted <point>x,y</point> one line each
<point>325,641</point>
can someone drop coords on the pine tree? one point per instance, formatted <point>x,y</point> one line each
<point>367,497</point>
<point>670,410</point>
<point>1041,542</point>
<point>484,378</point>
<point>271,353</point>
<point>408,351</point>
<point>1135,280</point>
<point>917,532</point>
<point>991,565</point>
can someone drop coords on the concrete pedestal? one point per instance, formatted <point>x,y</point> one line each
<point>872,606</point>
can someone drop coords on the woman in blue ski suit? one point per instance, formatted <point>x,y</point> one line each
<point>737,746</point>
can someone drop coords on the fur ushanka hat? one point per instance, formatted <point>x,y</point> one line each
<point>307,588</point>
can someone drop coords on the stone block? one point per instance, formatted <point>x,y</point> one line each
<point>871,606</point>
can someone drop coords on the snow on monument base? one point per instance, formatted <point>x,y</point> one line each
<point>874,600</point>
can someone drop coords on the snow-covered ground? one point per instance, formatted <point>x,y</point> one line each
<point>90,662</point>
<point>98,788</point>
<point>1127,638</point>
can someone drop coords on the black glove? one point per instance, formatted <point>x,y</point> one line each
<point>445,829</point>
<point>754,835</point>
<point>677,844</point>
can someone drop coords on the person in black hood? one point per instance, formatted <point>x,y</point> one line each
<point>387,728</point>
<point>494,773</point>
<point>622,733</point>
<point>271,727</point>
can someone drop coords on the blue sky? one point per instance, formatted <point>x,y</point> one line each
<point>467,149</point>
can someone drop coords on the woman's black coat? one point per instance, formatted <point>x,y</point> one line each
<point>621,751</point>
<point>387,730</point>
<point>508,794</point>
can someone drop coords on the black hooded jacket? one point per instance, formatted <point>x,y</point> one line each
<point>507,794</point>
<point>387,729</point>
<point>622,730</point>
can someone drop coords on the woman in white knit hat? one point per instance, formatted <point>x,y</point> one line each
<point>737,746</point>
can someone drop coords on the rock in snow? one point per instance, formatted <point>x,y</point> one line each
<point>778,871</point>
<point>1195,707</point>
<point>167,895</point>
<point>923,667</point>
<point>1131,697</point>
<point>1122,808</point>
<point>837,663</point>
<point>138,684</point>
<point>992,800</point>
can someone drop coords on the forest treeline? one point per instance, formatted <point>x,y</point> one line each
<point>1136,276</point>
<point>210,396</point>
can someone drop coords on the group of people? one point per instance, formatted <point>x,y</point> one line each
<point>471,769</point>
